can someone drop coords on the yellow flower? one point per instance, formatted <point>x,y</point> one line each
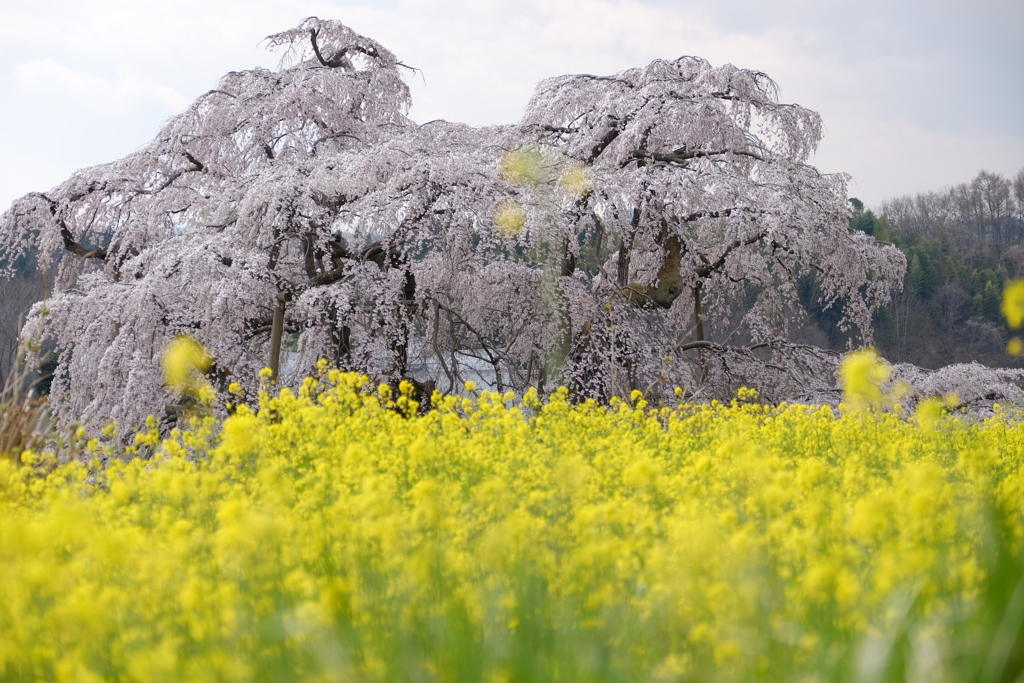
<point>1013,303</point>
<point>509,218</point>
<point>928,413</point>
<point>576,181</point>
<point>746,394</point>
<point>1015,347</point>
<point>523,166</point>
<point>184,360</point>
<point>239,435</point>
<point>345,524</point>
<point>862,374</point>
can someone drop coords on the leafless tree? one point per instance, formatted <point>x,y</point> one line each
<point>985,214</point>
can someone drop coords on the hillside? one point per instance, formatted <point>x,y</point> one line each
<point>962,245</point>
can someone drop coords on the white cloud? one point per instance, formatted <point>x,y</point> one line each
<point>95,92</point>
<point>888,158</point>
<point>483,68</point>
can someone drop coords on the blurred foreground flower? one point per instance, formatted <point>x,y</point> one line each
<point>1014,347</point>
<point>185,360</point>
<point>576,181</point>
<point>1013,303</point>
<point>523,166</point>
<point>862,374</point>
<point>509,218</point>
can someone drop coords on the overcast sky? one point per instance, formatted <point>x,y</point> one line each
<point>915,95</point>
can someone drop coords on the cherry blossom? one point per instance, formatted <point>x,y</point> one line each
<point>590,244</point>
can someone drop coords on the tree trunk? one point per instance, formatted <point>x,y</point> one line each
<point>276,332</point>
<point>698,316</point>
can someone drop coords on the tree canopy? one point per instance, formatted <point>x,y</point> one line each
<point>587,245</point>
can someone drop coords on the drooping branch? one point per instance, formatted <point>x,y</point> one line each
<point>801,371</point>
<point>494,356</point>
<point>710,267</point>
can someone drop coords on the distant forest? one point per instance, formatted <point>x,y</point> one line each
<point>962,245</point>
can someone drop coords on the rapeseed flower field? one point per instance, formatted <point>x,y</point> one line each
<point>336,534</point>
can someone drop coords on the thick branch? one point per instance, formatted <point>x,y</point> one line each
<point>696,215</point>
<point>197,166</point>
<point>339,58</point>
<point>682,155</point>
<point>670,280</point>
<point>774,344</point>
<point>559,129</point>
<point>607,139</point>
<point>276,333</point>
<point>195,162</point>
<point>316,48</point>
<point>69,239</point>
<point>75,248</point>
<point>717,213</point>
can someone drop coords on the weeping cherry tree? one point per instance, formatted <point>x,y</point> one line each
<point>590,245</point>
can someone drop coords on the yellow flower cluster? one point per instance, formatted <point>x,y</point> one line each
<point>335,534</point>
<point>1013,310</point>
<point>527,167</point>
<point>509,218</point>
<point>184,361</point>
<point>576,181</point>
<point>862,374</point>
<point>524,166</point>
